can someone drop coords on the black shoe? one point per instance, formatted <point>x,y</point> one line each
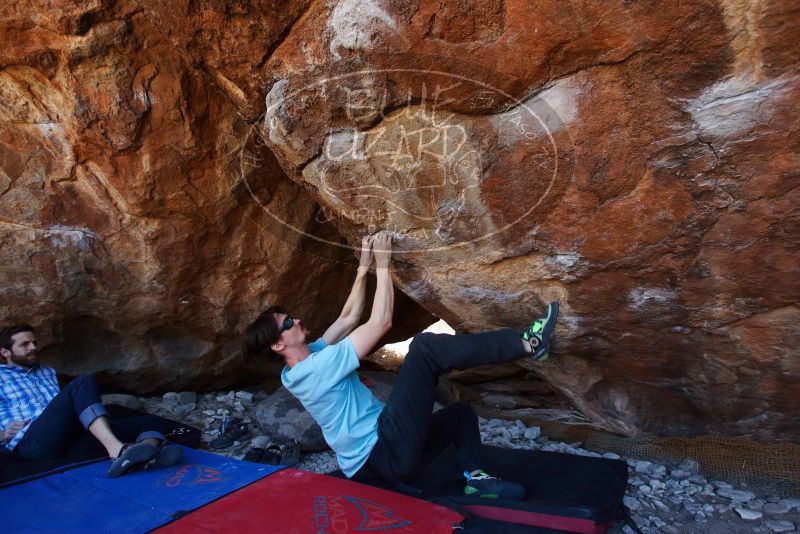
<point>290,454</point>
<point>231,429</point>
<point>253,455</point>
<point>479,484</point>
<point>131,456</point>
<point>270,456</point>
<point>167,454</point>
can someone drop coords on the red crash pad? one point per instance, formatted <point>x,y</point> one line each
<point>299,501</point>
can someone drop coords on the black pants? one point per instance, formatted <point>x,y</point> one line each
<point>126,430</point>
<point>409,434</point>
<point>52,434</point>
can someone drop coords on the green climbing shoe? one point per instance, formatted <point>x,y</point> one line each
<point>539,332</point>
<point>479,484</point>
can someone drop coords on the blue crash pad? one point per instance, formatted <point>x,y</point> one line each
<point>84,499</point>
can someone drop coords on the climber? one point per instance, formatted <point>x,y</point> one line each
<point>40,421</point>
<point>373,441</point>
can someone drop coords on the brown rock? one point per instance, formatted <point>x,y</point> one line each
<point>130,236</point>
<point>486,373</point>
<point>228,41</point>
<point>633,160</point>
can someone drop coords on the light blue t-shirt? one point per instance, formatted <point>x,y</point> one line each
<point>327,385</point>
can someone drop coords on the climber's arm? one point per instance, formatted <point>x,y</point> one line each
<point>366,336</point>
<point>354,305</point>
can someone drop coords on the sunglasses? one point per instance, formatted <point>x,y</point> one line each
<point>287,324</point>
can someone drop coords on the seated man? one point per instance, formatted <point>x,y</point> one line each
<point>39,422</point>
<point>391,441</point>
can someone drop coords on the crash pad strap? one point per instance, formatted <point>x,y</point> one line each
<point>524,517</point>
<point>49,472</point>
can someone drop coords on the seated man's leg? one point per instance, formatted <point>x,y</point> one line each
<point>126,429</point>
<point>51,434</point>
<point>406,419</point>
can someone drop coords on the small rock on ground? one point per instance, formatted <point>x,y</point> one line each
<point>750,515</point>
<point>780,526</point>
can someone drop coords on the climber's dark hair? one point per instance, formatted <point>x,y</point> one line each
<point>262,333</point>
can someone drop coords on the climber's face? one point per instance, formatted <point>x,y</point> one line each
<point>292,331</point>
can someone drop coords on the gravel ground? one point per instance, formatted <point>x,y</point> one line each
<point>662,498</point>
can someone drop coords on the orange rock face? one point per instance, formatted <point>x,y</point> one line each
<point>129,234</point>
<point>636,161</point>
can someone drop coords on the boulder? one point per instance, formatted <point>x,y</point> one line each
<point>634,161</point>
<point>282,415</point>
<point>130,238</point>
<point>168,169</point>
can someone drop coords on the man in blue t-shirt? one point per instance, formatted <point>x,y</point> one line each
<point>391,441</point>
